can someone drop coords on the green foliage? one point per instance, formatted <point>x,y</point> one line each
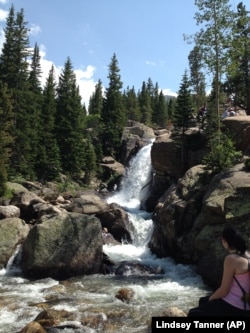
<point>6,138</point>
<point>145,104</point>
<point>183,106</point>
<point>131,105</point>
<point>222,153</point>
<point>96,100</point>
<point>113,115</point>
<point>238,73</point>
<point>48,160</point>
<point>213,39</point>
<point>247,164</point>
<point>46,130</point>
<point>69,121</point>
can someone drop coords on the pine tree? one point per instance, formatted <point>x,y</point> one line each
<point>146,110</point>
<point>6,138</point>
<point>183,105</point>
<point>48,161</point>
<point>14,72</point>
<point>70,121</point>
<point>197,79</point>
<point>162,114</point>
<point>155,103</point>
<point>131,104</point>
<point>35,71</point>
<point>90,160</point>
<point>35,105</point>
<point>213,39</point>
<point>94,113</point>
<point>171,107</point>
<point>96,100</point>
<point>238,78</point>
<point>15,51</point>
<point>181,119</point>
<point>113,113</point>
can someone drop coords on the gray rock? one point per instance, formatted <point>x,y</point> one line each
<point>63,246</point>
<point>13,232</point>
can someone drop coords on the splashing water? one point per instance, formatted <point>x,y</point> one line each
<point>94,295</point>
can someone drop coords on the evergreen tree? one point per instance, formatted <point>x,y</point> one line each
<point>131,104</point>
<point>213,39</point>
<point>90,160</point>
<point>238,79</point>
<point>162,115</point>
<point>113,113</point>
<point>35,72</point>
<point>197,80</point>
<point>155,104</point>
<point>14,72</point>
<point>183,105</point>
<point>6,138</point>
<point>96,100</point>
<point>182,114</point>
<point>94,113</point>
<point>146,110</point>
<point>69,121</point>
<point>222,153</point>
<point>171,108</point>
<point>34,108</point>
<point>48,161</point>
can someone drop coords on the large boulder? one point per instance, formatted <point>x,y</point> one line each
<point>87,204</point>
<point>25,200</point>
<point>134,137</point>
<point>9,211</point>
<point>239,126</point>
<point>116,222</point>
<point>13,232</point>
<point>63,246</point>
<point>189,219</point>
<point>167,161</point>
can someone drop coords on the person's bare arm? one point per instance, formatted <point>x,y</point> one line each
<point>227,278</point>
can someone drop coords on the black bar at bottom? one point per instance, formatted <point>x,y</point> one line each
<point>184,324</point>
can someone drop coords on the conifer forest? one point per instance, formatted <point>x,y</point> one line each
<point>46,130</point>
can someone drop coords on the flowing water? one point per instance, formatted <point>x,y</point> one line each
<point>91,300</point>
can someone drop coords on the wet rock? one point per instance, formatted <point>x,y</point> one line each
<point>115,220</point>
<point>137,269</point>
<point>173,311</point>
<point>125,295</point>
<point>13,231</point>
<point>33,327</point>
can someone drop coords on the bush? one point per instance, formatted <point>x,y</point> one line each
<point>247,164</point>
<point>222,154</point>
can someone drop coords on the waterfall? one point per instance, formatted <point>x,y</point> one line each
<point>178,286</point>
<point>135,184</point>
<point>13,265</point>
<point>133,191</point>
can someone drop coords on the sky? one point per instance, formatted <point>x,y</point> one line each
<point>145,35</point>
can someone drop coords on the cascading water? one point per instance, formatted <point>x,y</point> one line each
<point>94,296</point>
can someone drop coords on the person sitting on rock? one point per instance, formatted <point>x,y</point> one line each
<point>232,298</point>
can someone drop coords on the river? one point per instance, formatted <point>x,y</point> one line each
<point>94,296</point>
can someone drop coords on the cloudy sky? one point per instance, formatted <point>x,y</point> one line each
<point>145,35</point>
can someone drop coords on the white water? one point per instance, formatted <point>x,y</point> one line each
<point>176,277</point>
<point>179,286</point>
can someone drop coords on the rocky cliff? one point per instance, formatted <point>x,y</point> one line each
<point>193,206</point>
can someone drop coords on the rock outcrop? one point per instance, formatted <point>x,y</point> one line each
<point>63,246</point>
<point>190,216</point>
<point>239,127</point>
<point>13,232</point>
